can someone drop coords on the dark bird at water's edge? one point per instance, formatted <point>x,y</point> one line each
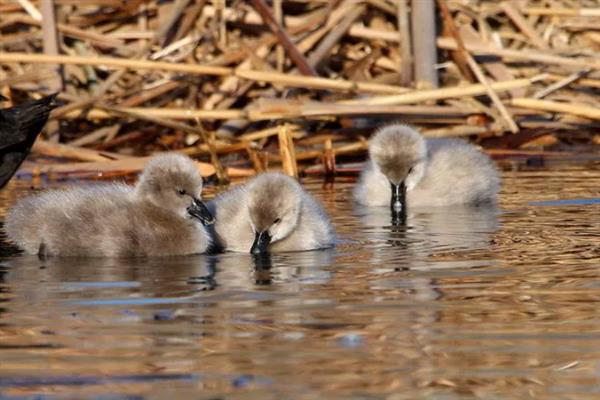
<point>19,127</point>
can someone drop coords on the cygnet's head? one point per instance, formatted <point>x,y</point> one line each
<point>173,181</point>
<point>274,208</point>
<point>400,153</point>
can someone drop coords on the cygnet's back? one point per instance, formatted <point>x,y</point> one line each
<point>457,173</point>
<point>115,219</point>
<point>77,220</point>
<point>271,211</point>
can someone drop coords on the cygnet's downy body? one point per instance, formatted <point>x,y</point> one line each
<point>404,170</point>
<point>271,213</point>
<point>162,215</point>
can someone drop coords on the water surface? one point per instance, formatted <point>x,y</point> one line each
<point>462,303</point>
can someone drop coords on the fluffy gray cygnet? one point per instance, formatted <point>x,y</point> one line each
<point>270,213</point>
<point>404,170</point>
<point>161,215</point>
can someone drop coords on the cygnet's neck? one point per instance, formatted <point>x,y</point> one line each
<point>144,197</point>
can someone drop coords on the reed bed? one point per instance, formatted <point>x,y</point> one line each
<point>298,86</point>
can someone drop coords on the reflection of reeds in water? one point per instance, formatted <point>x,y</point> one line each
<point>488,306</point>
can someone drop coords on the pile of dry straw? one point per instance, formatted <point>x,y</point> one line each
<point>297,85</point>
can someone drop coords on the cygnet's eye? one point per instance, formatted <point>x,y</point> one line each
<point>181,192</point>
<point>277,220</point>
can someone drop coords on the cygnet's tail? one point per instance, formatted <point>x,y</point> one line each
<point>23,225</point>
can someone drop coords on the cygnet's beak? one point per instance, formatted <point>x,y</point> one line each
<point>398,203</point>
<point>261,242</point>
<point>199,211</point>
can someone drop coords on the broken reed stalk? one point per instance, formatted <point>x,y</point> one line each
<point>129,164</point>
<point>581,110</point>
<point>50,41</point>
<point>287,151</point>
<point>462,130</point>
<point>149,113</point>
<point>329,158</point>
<point>126,166</point>
<point>424,49</point>
<point>522,55</point>
<point>31,9</point>
<point>115,62</point>
<point>194,69</point>
<point>279,50</point>
<point>563,12</point>
<point>561,83</point>
<point>72,152</point>
<point>98,134</point>
<point>314,109</point>
<point>51,47</point>
<point>586,82</point>
<point>405,39</point>
<point>209,139</point>
<point>259,163</point>
<point>445,93</point>
<point>274,111</point>
<point>220,148</point>
<point>317,83</point>
<point>265,133</point>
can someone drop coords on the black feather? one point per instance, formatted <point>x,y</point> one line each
<point>19,127</point>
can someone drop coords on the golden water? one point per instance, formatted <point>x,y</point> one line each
<point>462,303</point>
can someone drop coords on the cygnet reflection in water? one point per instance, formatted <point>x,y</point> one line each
<point>124,288</point>
<point>427,232</point>
<point>162,215</point>
<point>246,271</point>
<point>405,170</point>
<point>160,277</point>
<point>273,213</point>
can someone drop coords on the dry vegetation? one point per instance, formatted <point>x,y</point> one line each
<point>298,85</point>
